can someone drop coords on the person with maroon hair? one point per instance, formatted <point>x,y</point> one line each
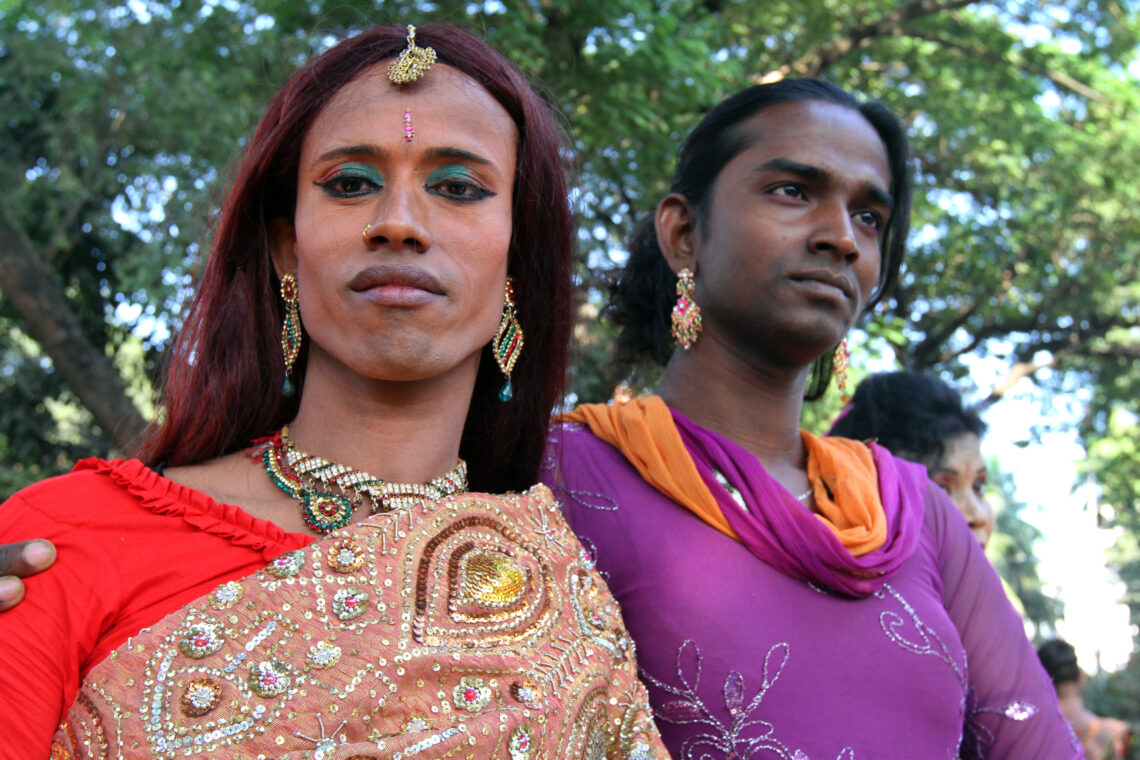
<point>386,307</point>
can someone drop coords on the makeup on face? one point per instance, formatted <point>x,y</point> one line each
<point>962,473</point>
<point>352,180</point>
<point>400,247</point>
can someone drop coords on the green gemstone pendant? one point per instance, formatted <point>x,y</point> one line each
<point>287,388</point>
<point>507,392</point>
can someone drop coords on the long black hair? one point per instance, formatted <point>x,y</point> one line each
<point>643,294</point>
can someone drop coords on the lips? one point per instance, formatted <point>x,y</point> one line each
<point>825,277</point>
<point>396,277</point>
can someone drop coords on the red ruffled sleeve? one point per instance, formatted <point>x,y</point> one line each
<point>133,547</point>
<point>165,497</point>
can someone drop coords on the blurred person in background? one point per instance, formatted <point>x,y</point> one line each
<point>920,418</point>
<point>1102,738</point>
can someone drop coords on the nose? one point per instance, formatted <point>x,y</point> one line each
<point>398,223</point>
<point>834,233</point>
<point>980,517</point>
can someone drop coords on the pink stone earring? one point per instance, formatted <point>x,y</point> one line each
<point>839,367</point>
<point>686,316</point>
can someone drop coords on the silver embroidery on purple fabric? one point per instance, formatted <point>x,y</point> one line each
<point>589,555</point>
<point>587,499</point>
<point>1018,710</point>
<point>723,737</point>
<point>928,643</point>
<point>976,738</point>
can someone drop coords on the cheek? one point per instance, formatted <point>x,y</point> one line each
<point>486,264</point>
<point>961,497</point>
<point>867,272</point>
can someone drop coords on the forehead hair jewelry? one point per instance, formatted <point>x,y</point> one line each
<point>412,63</point>
<point>290,331</point>
<point>686,317</point>
<point>508,341</point>
<point>409,133</point>
<point>328,492</point>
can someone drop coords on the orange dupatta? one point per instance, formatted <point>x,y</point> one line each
<point>643,430</point>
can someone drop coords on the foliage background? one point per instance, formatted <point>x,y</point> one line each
<point>120,122</point>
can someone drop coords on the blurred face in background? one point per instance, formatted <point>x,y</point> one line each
<point>961,472</point>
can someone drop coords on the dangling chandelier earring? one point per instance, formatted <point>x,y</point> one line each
<point>839,367</point>
<point>686,314</point>
<point>290,331</point>
<point>508,341</point>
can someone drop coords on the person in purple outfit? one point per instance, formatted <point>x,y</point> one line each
<point>789,596</point>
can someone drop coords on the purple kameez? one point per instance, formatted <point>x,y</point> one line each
<point>745,661</point>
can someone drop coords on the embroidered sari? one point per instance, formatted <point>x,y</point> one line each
<point>471,627</point>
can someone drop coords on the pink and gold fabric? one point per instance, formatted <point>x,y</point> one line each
<point>474,627</point>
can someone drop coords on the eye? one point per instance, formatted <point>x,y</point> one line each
<point>870,219</point>
<point>789,190</point>
<point>352,181</point>
<point>979,487</point>
<point>457,189</point>
<point>944,486</point>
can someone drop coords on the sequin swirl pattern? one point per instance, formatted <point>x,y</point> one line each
<point>470,627</point>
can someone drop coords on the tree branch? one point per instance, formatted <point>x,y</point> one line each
<point>1059,78</point>
<point>30,286</point>
<point>814,63</point>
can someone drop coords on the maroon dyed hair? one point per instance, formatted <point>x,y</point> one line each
<point>223,379</point>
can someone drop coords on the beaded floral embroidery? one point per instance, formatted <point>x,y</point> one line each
<point>728,739</point>
<point>470,627</point>
<point>909,632</point>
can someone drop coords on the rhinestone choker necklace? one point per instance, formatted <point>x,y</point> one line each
<point>328,492</point>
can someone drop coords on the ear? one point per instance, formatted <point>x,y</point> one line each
<point>283,246</point>
<point>675,223</point>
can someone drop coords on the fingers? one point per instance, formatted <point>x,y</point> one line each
<point>19,560</point>
<point>25,558</point>
<point>11,592</point>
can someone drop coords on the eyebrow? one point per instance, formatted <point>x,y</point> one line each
<point>352,150</point>
<point>374,151</point>
<point>810,173</point>
<point>458,153</point>
<point>982,470</point>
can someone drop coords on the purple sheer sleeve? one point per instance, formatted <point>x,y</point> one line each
<point>1011,710</point>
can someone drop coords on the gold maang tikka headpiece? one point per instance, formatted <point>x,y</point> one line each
<point>412,63</point>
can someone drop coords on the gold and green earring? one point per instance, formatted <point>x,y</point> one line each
<point>290,331</point>
<point>508,341</point>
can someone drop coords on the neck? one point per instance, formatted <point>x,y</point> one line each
<point>405,432</point>
<point>756,404</point>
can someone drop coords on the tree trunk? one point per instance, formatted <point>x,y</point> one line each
<point>31,287</point>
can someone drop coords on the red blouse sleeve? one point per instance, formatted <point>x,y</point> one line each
<point>133,547</point>
<point>47,637</point>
